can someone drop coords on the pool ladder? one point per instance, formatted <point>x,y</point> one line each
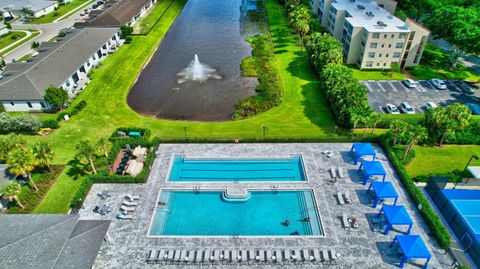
<point>196,189</point>
<point>274,188</point>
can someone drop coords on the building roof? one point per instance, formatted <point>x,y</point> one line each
<point>54,63</point>
<point>49,241</point>
<point>34,5</point>
<point>119,12</point>
<point>368,14</point>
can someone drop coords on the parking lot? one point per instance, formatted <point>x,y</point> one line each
<point>394,92</point>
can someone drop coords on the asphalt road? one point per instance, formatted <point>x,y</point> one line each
<point>394,92</point>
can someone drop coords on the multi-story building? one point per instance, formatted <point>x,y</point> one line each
<point>371,36</point>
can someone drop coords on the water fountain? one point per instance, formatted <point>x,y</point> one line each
<point>196,71</point>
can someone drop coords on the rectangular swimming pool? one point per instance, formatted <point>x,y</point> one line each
<point>264,213</point>
<point>273,169</point>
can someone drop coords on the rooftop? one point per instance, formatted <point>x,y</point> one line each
<point>368,14</point>
<point>115,13</point>
<point>34,5</point>
<point>49,241</point>
<point>55,62</point>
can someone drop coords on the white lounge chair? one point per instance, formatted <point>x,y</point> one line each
<point>285,256</point>
<point>306,255</point>
<point>127,208</point>
<point>216,255</point>
<point>348,199</point>
<point>251,255</point>
<point>170,255</point>
<point>198,256</point>
<point>333,255</point>
<point>151,255</point>
<point>257,256</point>
<point>340,171</point>
<point>128,203</point>
<point>325,257</point>
<point>189,258</point>
<point>298,254</point>
<point>316,254</point>
<point>122,216</point>
<point>276,256</point>
<point>345,222</point>
<point>132,197</point>
<point>176,257</point>
<point>183,255</point>
<point>269,255</point>
<point>228,258</point>
<point>161,254</point>
<point>243,255</point>
<point>340,198</point>
<point>206,256</point>
<point>332,172</point>
<point>234,256</point>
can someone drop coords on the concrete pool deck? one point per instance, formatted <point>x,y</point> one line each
<point>364,247</point>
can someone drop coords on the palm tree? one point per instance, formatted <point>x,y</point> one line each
<point>103,144</point>
<point>35,45</point>
<point>366,121</point>
<point>43,153</point>
<point>10,192</point>
<point>86,151</point>
<point>399,128</point>
<point>415,134</point>
<point>374,120</point>
<point>21,162</point>
<point>10,143</point>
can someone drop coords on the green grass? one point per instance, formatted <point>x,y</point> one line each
<point>8,39</point>
<point>61,10</point>
<point>303,113</point>
<point>429,159</point>
<point>248,67</point>
<point>146,23</point>
<point>34,34</point>
<point>24,57</point>
<point>376,75</point>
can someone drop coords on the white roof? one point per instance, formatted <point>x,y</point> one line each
<point>475,170</point>
<point>34,5</point>
<point>368,14</point>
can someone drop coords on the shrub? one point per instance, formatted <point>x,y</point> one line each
<point>128,40</point>
<point>2,108</point>
<point>52,124</point>
<point>61,116</point>
<point>144,132</point>
<point>24,124</point>
<point>78,107</point>
<point>56,96</point>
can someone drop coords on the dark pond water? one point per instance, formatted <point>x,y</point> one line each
<point>215,30</point>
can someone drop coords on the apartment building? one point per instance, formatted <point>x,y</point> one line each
<point>371,36</point>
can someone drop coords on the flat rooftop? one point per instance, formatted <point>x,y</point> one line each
<point>368,14</point>
<point>362,247</point>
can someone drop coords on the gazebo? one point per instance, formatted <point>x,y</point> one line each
<point>362,149</point>
<point>412,247</point>
<point>383,190</point>
<point>372,168</point>
<point>396,215</point>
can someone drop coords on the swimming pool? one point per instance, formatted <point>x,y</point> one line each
<point>272,169</point>
<point>205,213</point>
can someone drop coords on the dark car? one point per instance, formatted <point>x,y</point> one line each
<point>474,108</point>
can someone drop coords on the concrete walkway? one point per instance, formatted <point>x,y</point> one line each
<point>81,7</point>
<point>28,34</point>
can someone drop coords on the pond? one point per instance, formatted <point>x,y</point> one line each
<point>215,30</point>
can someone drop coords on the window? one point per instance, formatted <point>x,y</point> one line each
<point>378,64</point>
<point>383,45</point>
<point>12,104</point>
<point>376,35</point>
<point>29,104</point>
<point>380,55</point>
<point>373,45</point>
<point>389,45</point>
<point>396,55</point>
<point>371,55</point>
<point>393,35</point>
<point>386,55</point>
<point>369,64</point>
<point>385,36</point>
<point>42,104</point>
<point>399,45</point>
<point>403,35</point>
<point>384,64</point>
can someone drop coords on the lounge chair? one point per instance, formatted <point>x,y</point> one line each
<point>325,257</point>
<point>333,255</point>
<point>206,256</point>
<point>251,255</point>
<point>170,255</point>
<point>285,256</point>
<point>332,172</point>
<point>127,208</point>
<point>161,255</point>
<point>276,256</point>
<point>151,255</point>
<point>263,256</point>
<point>298,255</point>
<point>243,256</point>
<point>316,254</point>
<point>306,255</point>
<point>269,255</point>
<point>128,203</point>
<point>234,256</point>
<point>257,256</point>
<point>348,199</point>
<point>183,255</point>
<point>340,171</point>
<point>189,258</point>
<point>176,257</point>
<point>345,222</point>
<point>228,258</point>
<point>123,216</point>
<point>132,197</point>
<point>292,255</point>
<point>340,198</point>
<point>199,256</point>
<point>216,255</point>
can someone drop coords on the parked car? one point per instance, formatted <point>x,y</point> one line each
<point>474,108</point>
<point>392,109</point>
<point>406,108</point>
<point>410,83</point>
<point>439,84</point>
<point>430,105</point>
<point>464,87</point>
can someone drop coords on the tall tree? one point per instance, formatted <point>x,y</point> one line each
<point>21,161</point>
<point>398,128</point>
<point>103,144</point>
<point>35,45</point>
<point>463,31</point>
<point>324,49</point>
<point>414,134</point>
<point>442,122</point>
<point>43,153</point>
<point>56,96</point>
<point>10,192</point>
<point>375,119</point>
<point>10,143</point>
<point>86,151</point>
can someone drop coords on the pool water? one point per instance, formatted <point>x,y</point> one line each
<point>205,213</point>
<point>274,169</point>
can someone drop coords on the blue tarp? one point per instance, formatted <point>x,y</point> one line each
<point>134,134</point>
<point>396,215</point>
<point>412,247</point>
<point>362,149</point>
<point>372,168</point>
<point>383,190</point>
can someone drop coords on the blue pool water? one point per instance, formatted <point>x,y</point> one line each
<point>281,169</point>
<point>205,213</point>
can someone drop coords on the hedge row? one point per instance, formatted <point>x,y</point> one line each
<point>431,217</point>
<point>144,132</point>
<point>74,111</point>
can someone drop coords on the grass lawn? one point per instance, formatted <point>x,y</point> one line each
<point>61,10</point>
<point>24,57</point>
<point>376,75</point>
<point>10,38</point>
<point>146,23</point>
<point>34,34</point>
<point>441,159</point>
<point>303,113</point>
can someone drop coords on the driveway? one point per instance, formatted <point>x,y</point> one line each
<point>394,92</point>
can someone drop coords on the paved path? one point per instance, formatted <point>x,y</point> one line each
<point>471,61</point>
<point>79,8</point>
<point>47,31</point>
<point>28,34</point>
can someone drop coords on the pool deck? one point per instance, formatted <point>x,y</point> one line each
<point>364,247</point>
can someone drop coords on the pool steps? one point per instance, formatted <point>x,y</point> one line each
<point>236,194</point>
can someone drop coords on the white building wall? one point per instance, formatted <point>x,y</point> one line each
<point>23,106</point>
<point>44,11</point>
<point>4,31</point>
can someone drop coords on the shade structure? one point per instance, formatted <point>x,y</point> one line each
<point>475,171</point>
<point>412,247</point>
<point>362,149</point>
<point>372,168</point>
<point>383,190</point>
<point>396,215</point>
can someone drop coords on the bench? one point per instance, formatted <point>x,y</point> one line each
<point>340,172</point>
<point>345,222</point>
<point>340,198</point>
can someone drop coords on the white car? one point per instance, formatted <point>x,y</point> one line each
<point>430,105</point>
<point>406,108</point>
<point>410,83</point>
<point>392,109</point>
<point>439,84</point>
